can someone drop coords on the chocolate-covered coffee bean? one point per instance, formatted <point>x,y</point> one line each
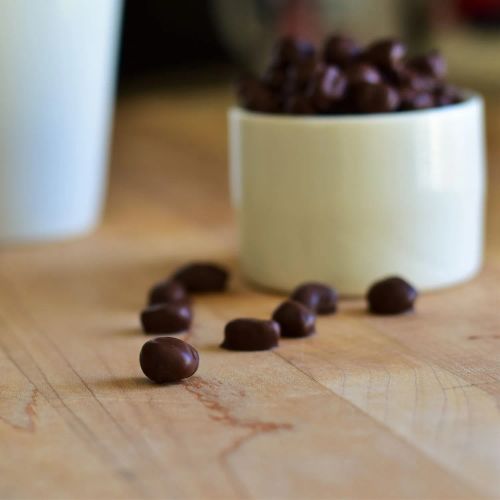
<point>386,54</point>
<point>362,73</point>
<point>248,334</point>
<point>432,64</point>
<point>447,94</point>
<point>341,50</point>
<point>299,105</point>
<point>412,99</point>
<point>256,96</point>
<point>166,318</point>
<point>274,78</point>
<point>327,88</point>
<point>301,73</point>
<point>392,295</point>
<point>202,277</point>
<point>168,359</point>
<point>300,82</point>
<point>168,291</point>
<point>375,98</point>
<point>320,298</point>
<point>405,77</point>
<point>295,319</point>
<point>288,51</point>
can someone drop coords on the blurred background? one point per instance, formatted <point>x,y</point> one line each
<point>214,39</point>
<point>177,62</point>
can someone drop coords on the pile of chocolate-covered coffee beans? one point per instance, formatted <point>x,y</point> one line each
<point>169,359</point>
<point>344,77</point>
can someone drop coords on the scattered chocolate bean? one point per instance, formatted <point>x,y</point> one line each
<point>166,318</point>
<point>168,359</point>
<point>168,291</point>
<point>202,277</point>
<point>391,296</point>
<point>295,319</point>
<point>318,297</point>
<point>386,54</point>
<point>246,334</point>
<point>375,98</point>
<point>341,50</point>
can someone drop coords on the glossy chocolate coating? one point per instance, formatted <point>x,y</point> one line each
<point>447,94</point>
<point>328,87</point>
<point>386,54</point>
<point>412,99</point>
<point>256,96</point>
<point>392,295</point>
<point>299,82</point>
<point>168,291</point>
<point>318,297</point>
<point>202,277</point>
<point>274,78</point>
<point>299,105</point>
<point>362,73</point>
<point>404,77</point>
<point>341,50</point>
<point>295,319</point>
<point>166,318</point>
<point>288,51</point>
<point>432,64</point>
<point>248,334</point>
<point>168,359</point>
<point>301,73</point>
<point>375,98</point>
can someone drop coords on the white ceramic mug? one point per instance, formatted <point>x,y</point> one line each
<point>57,67</point>
<point>348,200</point>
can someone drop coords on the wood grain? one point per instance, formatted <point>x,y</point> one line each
<point>405,407</point>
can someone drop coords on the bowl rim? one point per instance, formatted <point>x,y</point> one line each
<point>472,99</point>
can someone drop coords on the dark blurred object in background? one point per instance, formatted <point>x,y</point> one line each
<point>161,35</point>
<point>185,35</point>
<point>481,12</point>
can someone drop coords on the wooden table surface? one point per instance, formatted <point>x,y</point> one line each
<point>370,407</point>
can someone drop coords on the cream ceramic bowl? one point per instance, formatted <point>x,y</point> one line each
<point>350,199</point>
